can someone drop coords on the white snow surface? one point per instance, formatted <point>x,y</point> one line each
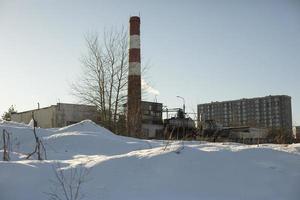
<point>128,168</point>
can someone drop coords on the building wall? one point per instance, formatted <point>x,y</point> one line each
<point>67,114</point>
<point>151,112</point>
<point>298,133</point>
<point>44,117</point>
<point>265,112</point>
<point>152,124</point>
<point>58,115</point>
<point>253,133</point>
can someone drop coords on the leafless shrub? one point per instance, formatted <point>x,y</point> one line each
<point>39,146</point>
<point>67,184</point>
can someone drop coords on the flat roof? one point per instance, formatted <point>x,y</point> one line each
<point>215,102</point>
<point>51,106</point>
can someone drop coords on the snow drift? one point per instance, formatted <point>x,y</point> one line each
<point>128,168</point>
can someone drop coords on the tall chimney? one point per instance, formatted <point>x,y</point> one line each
<point>134,121</point>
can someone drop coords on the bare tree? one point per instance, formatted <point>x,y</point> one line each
<point>104,79</point>
<point>67,184</point>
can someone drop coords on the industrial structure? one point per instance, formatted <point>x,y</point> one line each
<point>144,119</point>
<point>134,117</point>
<point>297,131</point>
<point>59,115</point>
<point>262,112</point>
<point>210,130</point>
<point>151,119</point>
<point>179,126</point>
<point>152,122</point>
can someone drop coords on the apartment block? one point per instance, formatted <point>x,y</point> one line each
<point>274,111</point>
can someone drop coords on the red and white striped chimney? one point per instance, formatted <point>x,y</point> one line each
<point>134,117</point>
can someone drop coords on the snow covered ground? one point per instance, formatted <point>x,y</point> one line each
<point>128,168</point>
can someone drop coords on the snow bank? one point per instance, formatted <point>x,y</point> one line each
<point>127,168</point>
<point>88,138</point>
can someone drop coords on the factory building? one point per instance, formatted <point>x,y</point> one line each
<point>59,115</point>
<point>261,112</point>
<point>179,127</point>
<point>152,122</point>
<point>297,133</point>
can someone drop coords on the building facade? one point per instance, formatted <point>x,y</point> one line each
<point>261,112</point>
<point>297,133</point>
<point>152,123</point>
<point>58,115</point>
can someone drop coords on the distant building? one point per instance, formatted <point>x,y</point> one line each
<point>261,112</point>
<point>179,126</point>
<point>249,135</point>
<point>152,123</point>
<point>298,133</point>
<point>58,115</point>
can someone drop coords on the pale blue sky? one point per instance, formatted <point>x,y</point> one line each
<point>205,51</point>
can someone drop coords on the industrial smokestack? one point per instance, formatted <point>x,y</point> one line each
<point>134,121</point>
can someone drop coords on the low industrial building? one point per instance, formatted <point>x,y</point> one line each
<point>179,126</point>
<point>59,115</point>
<point>210,130</point>
<point>297,133</point>
<point>249,135</point>
<point>152,123</point>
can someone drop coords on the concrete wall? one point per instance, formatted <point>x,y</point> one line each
<point>44,117</point>
<point>298,133</point>
<point>24,117</point>
<point>151,112</point>
<point>67,114</point>
<point>253,133</point>
<point>152,124</point>
<point>186,122</point>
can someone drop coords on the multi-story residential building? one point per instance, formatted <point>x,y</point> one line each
<point>264,112</point>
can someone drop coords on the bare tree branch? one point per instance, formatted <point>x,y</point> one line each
<point>103,82</point>
<point>67,184</point>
